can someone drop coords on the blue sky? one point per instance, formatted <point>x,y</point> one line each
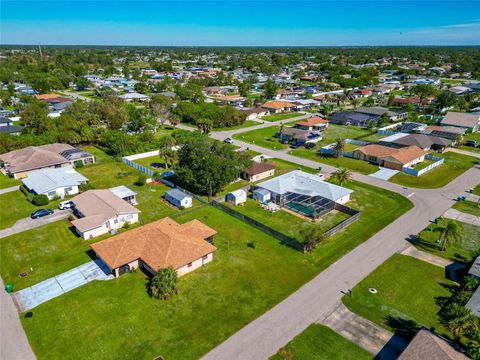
<point>240,23</point>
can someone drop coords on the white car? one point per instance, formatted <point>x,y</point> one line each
<point>65,205</point>
<point>228,140</point>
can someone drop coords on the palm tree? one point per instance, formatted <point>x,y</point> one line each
<point>311,237</point>
<point>174,120</point>
<point>205,125</point>
<point>460,320</point>
<point>342,175</point>
<point>164,284</point>
<point>450,233</point>
<point>339,147</point>
<point>166,151</point>
<point>470,282</point>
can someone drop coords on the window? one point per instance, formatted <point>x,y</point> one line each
<point>189,265</point>
<point>115,221</point>
<point>205,257</point>
<point>129,216</point>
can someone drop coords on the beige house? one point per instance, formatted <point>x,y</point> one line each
<point>100,211</point>
<point>393,158</point>
<point>19,163</point>
<point>277,106</point>
<point>158,245</point>
<point>258,171</point>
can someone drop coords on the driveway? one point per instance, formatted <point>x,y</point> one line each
<point>463,217</point>
<point>35,295</point>
<point>28,223</point>
<point>384,173</point>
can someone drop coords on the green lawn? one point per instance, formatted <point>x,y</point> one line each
<point>372,137</point>
<point>246,124</point>
<point>407,289</point>
<point>319,342</point>
<point>468,207</point>
<point>423,164</point>
<point>116,319</point>
<point>264,137</point>
<point>476,190</point>
<point>454,165</point>
<point>333,132</point>
<point>6,181</point>
<point>286,222</point>
<point>148,161</point>
<point>278,117</point>
<point>463,251</point>
<point>359,166</point>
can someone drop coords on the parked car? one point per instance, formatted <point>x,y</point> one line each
<point>228,140</point>
<point>41,213</point>
<point>472,143</point>
<point>65,205</point>
<point>310,145</point>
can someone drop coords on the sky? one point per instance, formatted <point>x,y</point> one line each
<point>240,23</point>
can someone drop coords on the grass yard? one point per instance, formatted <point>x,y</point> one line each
<point>278,117</point>
<point>454,165</point>
<point>359,166</point>
<point>100,156</point>
<point>6,181</point>
<point>246,124</point>
<point>264,137</point>
<point>319,342</point>
<point>375,137</point>
<point>152,160</point>
<point>476,190</point>
<point>468,207</point>
<point>408,289</point>
<point>423,164</point>
<point>116,319</point>
<point>463,251</point>
<point>333,132</point>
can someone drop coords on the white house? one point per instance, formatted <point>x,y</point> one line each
<point>56,182</point>
<point>178,198</point>
<point>237,197</point>
<point>100,211</point>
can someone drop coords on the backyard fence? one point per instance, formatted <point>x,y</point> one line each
<point>138,167</point>
<point>328,149</point>
<point>414,172</point>
<point>260,226</point>
<point>354,216</point>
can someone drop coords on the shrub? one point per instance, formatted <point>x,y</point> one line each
<point>24,190</point>
<point>78,164</point>
<point>40,200</point>
<point>141,180</point>
<point>87,186</point>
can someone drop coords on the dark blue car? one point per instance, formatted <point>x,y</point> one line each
<point>41,213</point>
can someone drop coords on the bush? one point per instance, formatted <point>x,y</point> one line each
<point>78,164</point>
<point>40,200</point>
<point>24,190</point>
<point>85,187</point>
<point>142,180</point>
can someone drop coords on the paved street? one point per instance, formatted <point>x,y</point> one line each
<point>28,223</point>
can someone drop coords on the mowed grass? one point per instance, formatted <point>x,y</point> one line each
<point>319,342</point>
<point>359,166</point>
<point>476,190</point>
<point>6,181</point>
<point>407,289</point>
<point>278,117</point>
<point>468,207</point>
<point>333,132</point>
<point>246,124</point>
<point>264,137</point>
<point>454,165</point>
<point>461,251</point>
<point>116,319</point>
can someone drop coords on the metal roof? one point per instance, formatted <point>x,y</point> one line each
<point>177,194</point>
<point>122,191</point>
<point>45,180</point>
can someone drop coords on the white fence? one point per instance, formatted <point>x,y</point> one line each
<point>438,161</point>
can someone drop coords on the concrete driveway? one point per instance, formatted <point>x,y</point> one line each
<point>462,217</point>
<point>35,295</point>
<point>28,223</point>
<point>384,173</point>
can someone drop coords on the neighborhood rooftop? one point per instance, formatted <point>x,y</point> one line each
<point>45,180</point>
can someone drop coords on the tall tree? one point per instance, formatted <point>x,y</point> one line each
<point>460,320</point>
<point>163,285</point>
<point>339,147</point>
<point>311,237</point>
<point>450,233</point>
<point>342,175</point>
<point>269,89</point>
<point>166,151</point>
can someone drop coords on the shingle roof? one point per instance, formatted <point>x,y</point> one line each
<point>422,141</point>
<point>300,182</point>
<point>474,303</point>
<point>10,129</point>
<point>314,120</point>
<point>461,119</point>
<point>259,168</point>
<point>277,105</point>
<point>475,268</point>
<point>160,244</point>
<point>45,180</point>
<point>177,194</point>
<point>426,345</point>
<point>98,206</point>
<point>402,155</point>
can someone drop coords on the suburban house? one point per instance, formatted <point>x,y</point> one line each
<point>258,171</point>
<point>58,182</point>
<point>178,198</point>
<point>304,193</point>
<point>462,120</point>
<point>254,113</point>
<point>19,163</point>
<point>157,245</point>
<point>390,157</point>
<point>447,132</point>
<point>7,127</point>
<point>352,118</point>
<point>300,136</point>
<point>125,193</point>
<point>261,195</point>
<point>427,345</point>
<point>423,141</point>
<point>276,106</point>
<point>379,111</point>
<point>100,211</point>
<point>234,100</point>
<point>236,197</point>
<point>315,123</point>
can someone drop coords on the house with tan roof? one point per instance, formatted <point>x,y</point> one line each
<point>462,120</point>
<point>19,163</point>
<point>314,123</point>
<point>100,211</point>
<point>393,158</point>
<point>277,106</point>
<point>157,245</point>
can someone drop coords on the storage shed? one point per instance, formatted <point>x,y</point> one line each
<point>178,198</point>
<point>237,197</point>
<point>261,195</point>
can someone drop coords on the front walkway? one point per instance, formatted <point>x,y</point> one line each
<point>369,336</point>
<point>462,217</point>
<point>35,295</point>
<point>384,173</point>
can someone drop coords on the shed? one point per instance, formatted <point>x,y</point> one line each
<point>125,193</point>
<point>237,197</point>
<point>178,198</point>
<point>261,195</point>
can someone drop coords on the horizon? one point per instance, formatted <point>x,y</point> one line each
<point>272,24</point>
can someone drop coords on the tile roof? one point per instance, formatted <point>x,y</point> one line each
<point>426,345</point>
<point>402,155</point>
<point>314,120</point>
<point>98,206</point>
<point>159,244</point>
<point>277,105</point>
